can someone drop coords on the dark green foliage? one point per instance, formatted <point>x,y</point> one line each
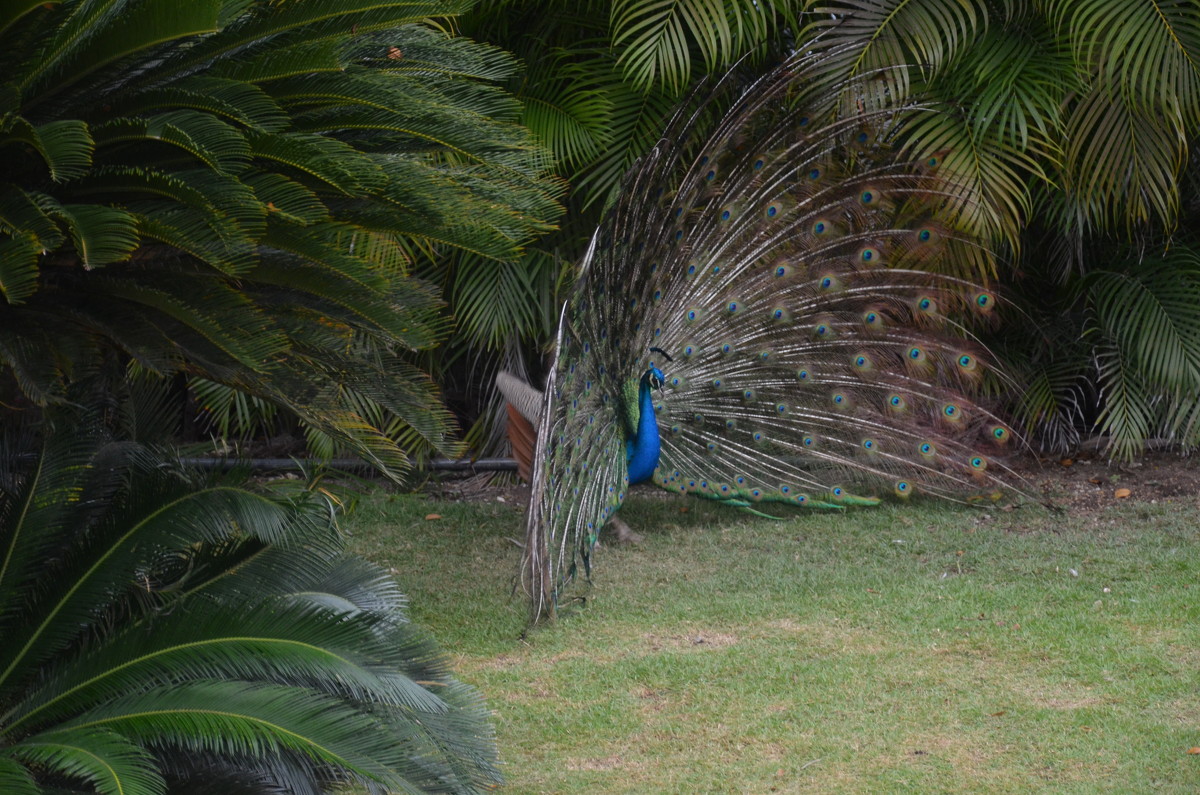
<point>599,83</point>
<point>1094,98</point>
<point>1118,350</point>
<point>238,191</point>
<point>165,633</point>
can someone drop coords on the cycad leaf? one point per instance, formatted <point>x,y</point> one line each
<point>16,779</point>
<point>194,232</point>
<point>252,719</point>
<point>289,199</point>
<point>213,142</point>
<point>237,101</point>
<point>14,11</point>
<point>18,266</point>
<point>322,19</point>
<point>65,145</point>
<point>98,33</point>
<point>428,52</point>
<point>101,234</point>
<point>24,213</point>
<point>303,639</point>
<point>280,61</point>
<point>108,762</point>
<point>334,163</point>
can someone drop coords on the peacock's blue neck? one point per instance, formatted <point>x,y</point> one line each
<point>641,452</point>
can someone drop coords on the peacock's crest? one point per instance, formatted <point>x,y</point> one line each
<point>762,311</point>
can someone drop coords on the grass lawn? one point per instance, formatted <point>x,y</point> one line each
<point>920,648</point>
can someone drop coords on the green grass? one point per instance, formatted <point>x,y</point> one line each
<point>921,648</point>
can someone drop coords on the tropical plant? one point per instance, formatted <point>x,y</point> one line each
<point>237,191</point>
<point>1071,120</point>
<point>165,632</point>
<point>1092,98</point>
<point>600,81</point>
<point>1117,351</point>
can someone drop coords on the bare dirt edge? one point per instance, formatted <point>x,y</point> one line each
<point>1084,484</point>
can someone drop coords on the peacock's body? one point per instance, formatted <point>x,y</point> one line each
<point>756,321</point>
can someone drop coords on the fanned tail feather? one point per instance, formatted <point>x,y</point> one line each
<point>794,280</point>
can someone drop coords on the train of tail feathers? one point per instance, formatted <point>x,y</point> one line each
<point>759,320</point>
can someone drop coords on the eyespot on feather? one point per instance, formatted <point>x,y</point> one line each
<point>870,255</point>
<point>829,282</point>
<point>823,328</point>
<point>777,208</point>
<point>926,305</point>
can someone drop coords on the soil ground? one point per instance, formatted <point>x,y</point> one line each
<point>1082,484</point>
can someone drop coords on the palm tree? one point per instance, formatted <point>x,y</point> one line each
<point>169,633</point>
<point>238,192</point>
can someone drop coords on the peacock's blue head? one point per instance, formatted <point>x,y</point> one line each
<point>654,377</point>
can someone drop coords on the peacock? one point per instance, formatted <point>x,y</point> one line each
<point>759,321</point>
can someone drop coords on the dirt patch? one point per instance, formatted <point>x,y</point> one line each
<point>1082,483</point>
<point>693,640</point>
<point>1087,483</point>
<point>607,763</point>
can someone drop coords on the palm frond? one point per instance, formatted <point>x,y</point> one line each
<point>861,37</point>
<point>656,39</point>
<point>1146,328</point>
<point>1151,50</point>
